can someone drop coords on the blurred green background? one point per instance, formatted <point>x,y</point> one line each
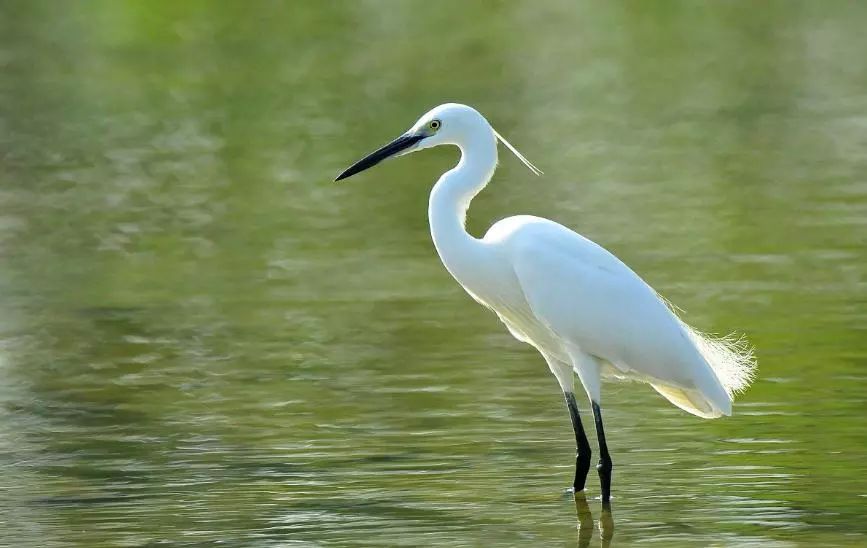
<point>204,341</point>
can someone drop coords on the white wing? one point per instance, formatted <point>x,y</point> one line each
<point>592,300</point>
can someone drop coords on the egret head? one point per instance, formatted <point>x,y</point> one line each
<point>448,124</point>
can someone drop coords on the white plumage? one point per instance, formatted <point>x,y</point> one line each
<point>579,305</point>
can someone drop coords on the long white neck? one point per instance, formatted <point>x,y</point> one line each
<point>451,197</point>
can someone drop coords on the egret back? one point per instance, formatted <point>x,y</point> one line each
<point>593,301</point>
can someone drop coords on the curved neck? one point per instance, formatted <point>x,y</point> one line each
<point>452,194</point>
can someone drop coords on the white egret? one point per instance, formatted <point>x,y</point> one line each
<point>582,308</point>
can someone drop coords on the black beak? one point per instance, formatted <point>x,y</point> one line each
<point>398,145</point>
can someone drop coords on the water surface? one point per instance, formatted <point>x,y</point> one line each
<point>203,341</point>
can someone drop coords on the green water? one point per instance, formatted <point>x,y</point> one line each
<point>204,341</point>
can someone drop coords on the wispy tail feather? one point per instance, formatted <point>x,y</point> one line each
<point>732,361</point>
<point>731,358</point>
<point>732,364</point>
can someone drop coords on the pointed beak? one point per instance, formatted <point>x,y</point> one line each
<point>394,148</point>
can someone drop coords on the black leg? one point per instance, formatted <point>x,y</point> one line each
<point>604,467</point>
<point>582,458</point>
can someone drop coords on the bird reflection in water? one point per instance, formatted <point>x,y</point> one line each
<point>585,522</point>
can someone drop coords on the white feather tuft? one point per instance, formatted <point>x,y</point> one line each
<point>520,156</point>
<point>731,358</point>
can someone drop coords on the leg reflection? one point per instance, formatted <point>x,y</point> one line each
<point>606,525</point>
<point>585,522</point>
<point>585,519</point>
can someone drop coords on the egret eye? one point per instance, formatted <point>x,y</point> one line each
<point>435,124</point>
